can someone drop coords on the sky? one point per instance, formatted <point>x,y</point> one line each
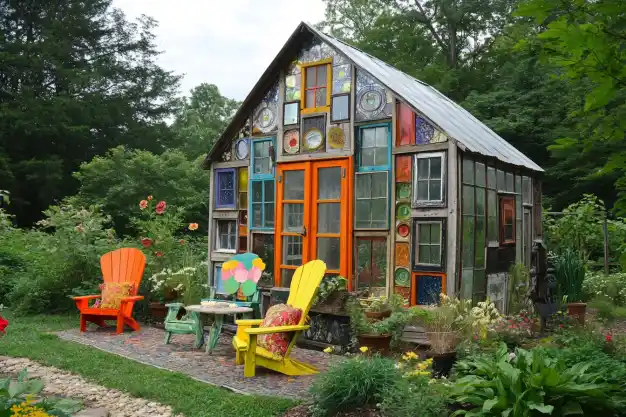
<point>228,43</point>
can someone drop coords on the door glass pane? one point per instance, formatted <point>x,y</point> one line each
<point>292,250</point>
<point>286,276</point>
<point>328,218</point>
<point>329,183</point>
<point>293,217</point>
<point>328,251</point>
<point>294,185</point>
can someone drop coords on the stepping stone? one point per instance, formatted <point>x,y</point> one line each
<point>93,412</point>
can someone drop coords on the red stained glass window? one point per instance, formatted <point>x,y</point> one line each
<point>403,168</point>
<point>405,134</point>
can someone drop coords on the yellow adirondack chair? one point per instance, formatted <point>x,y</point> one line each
<point>304,286</point>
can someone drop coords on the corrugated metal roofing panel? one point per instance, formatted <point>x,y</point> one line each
<point>454,120</point>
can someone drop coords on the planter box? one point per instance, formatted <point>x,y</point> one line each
<point>328,330</point>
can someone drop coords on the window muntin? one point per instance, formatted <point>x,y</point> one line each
<point>225,192</point>
<point>371,200</point>
<point>428,179</point>
<point>315,87</point>
<point>226,236</point>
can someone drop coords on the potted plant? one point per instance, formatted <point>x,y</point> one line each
<point>570,274</point>
<point>376,308</point>
<point>332,293</point>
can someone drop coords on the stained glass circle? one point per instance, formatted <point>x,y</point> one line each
<point>371,101</point>
<point>403,230</point>
<point>313,139</point>
<point>291,142</point>
<point>265,118</point>
<point>402,277</point>
<point>241,149</point>
<point>336,138</point>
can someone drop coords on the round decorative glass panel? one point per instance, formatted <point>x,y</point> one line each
<point>403,211</point>
<point>402,277</point>
<point>371,101</point>
<point>291,141</point>
<point>265,118</point>
<point>403,191</point>
<point>403,230</point>
<point>241,149</point>
<point>336,138</point>
<point>313,139</point>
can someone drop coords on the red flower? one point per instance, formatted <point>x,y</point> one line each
<point>561,326</point>
<point>3,325</point>
<point>160,207</point>
<point>608,338</point>
<point>143,204</point>
<point>182,241</point>
<point>146,242</point>
<point>158,254</point>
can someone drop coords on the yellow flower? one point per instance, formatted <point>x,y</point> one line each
<point>422,366</point>
<point>363,349</point>
<point>429,361</point>
<point>232,264</point>
<point>328,350</point>
<point>409,355</point>
<point>258,262</point>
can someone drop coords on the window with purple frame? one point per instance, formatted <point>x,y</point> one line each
<point>225,188</point>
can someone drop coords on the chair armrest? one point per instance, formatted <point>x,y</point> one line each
<point>132,298</point>
<point>249,322</point>
<point>86,297</point>
<point>277,329</point>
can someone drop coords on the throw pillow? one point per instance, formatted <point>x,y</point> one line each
<point>279,315</point>
<point>113,292</point>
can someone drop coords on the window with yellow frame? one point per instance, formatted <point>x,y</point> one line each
<point>316,86</point>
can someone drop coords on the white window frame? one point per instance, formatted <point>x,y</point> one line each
<point>417,242</point>
<point>218,247</point>
<point>386,198</point>
<point>430,203</point>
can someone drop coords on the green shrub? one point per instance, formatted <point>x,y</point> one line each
<point>410,397</point>
<point>569,269</point>
<point>527,383</point>
<point>353,383</point>
<point>613,286</point>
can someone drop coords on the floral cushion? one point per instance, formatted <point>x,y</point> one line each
<point>279,315</point>
<point>113,292</point>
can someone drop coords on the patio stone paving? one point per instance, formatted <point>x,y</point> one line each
<point>146,346</point>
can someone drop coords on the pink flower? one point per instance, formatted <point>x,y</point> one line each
<point>241,273</point>
<point>160,207</point>
<point>255,274</point>
<point>150,198</point>
<point>146,242</point>
<point>608,338</point>
<point>143,204</point>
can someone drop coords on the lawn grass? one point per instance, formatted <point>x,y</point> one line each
<point>30,337</point>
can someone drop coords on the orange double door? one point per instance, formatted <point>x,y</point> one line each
<point>313,217</point>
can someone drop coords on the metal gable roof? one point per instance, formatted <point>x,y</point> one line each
<point>453,119</point>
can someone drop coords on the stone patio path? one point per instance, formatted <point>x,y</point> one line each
<point>146,346</point>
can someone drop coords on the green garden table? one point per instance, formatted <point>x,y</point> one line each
<point>218,314</point>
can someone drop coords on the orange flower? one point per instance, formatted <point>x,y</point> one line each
<point>150,198</point>
<point>193,226</point>
<point>146,242</point>
<point>160,207</point>
<point>143,204</point>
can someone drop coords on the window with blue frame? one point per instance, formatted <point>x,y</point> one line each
<point>372,177</point>
<point>225,188</point>
<point>262,185</point>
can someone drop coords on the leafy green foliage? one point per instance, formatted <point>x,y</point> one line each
<point>611,286</point>
<point>570,273</point>
<point>329,285</point>
<point>119,180</point>
<point>77,79</point>
<point>415,396</point>
<point>353,383</point>
<point>531,382</point>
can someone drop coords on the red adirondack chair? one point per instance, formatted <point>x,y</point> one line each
<point>120,266</point>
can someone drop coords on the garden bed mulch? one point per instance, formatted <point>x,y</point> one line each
<point>303,411</point>
<point>146,346</point>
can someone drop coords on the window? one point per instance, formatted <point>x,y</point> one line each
<point>243,188</point>
<point>290,115</point>
<point>340,108</point>
<point>261,157</point>
<point>507,220</point>
<point>371,262</point>
<point>313,133</point>
<point>262,186</point>
<point>372,178</point>
<point>374,148</point>
<point>428,244</point>
<point>226,238</point>
<point>405,134</point>
<point>371,200</point>
<point>262,204</point>
<point>428,185</point>
<point>225,192</point>
<point>316,94</point>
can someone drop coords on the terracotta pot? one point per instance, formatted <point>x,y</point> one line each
<point>158,312</point>
<point>443,363</point>
<point>578,311</point>
<point>377,343</point>
<point>377,315</point>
